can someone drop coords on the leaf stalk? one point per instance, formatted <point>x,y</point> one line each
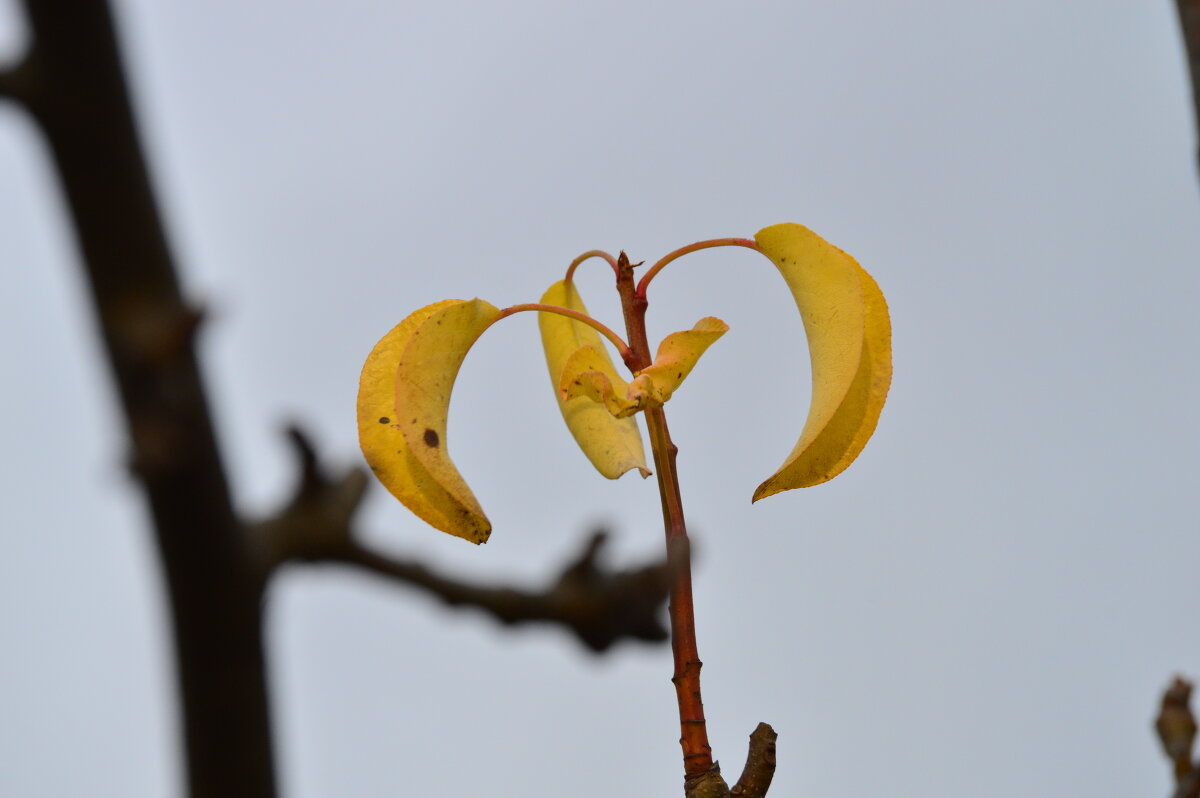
<point>622,347</point>
<point>591,253</point>
<point>679,253</point>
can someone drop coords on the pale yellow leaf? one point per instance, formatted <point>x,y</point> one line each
<point>676,357</point>
<point>589,373</point>
<point>613,445</point>
<point>849,340</point>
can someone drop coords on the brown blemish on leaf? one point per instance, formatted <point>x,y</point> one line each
<point>385,420</point>
<point>431,438</point>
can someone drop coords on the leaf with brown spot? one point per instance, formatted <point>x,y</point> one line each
<point>410,374</point>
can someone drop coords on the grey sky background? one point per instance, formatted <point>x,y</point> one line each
<point>987,603</point>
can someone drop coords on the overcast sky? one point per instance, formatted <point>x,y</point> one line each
<point>987,603</point>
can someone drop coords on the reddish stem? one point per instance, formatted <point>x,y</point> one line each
<point>621,346</point>
<point>591,253</point>
<point>697,753</point>
<point>670,256</point>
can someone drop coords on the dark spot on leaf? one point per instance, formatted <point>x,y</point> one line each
<point>679,375</point>
<point>431,438</point>
<point>385,420</point>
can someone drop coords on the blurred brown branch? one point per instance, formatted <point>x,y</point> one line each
<point>215,565</point>
<point>600,606</point>
<point>1176,728</point>
<point>1189,23</point>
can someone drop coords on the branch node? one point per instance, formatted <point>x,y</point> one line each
<point>707,784</point>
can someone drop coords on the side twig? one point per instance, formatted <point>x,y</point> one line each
<point>600,606</point>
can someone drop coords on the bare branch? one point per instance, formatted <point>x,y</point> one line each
<point>15,80</point>
<point>10,85</point>
<point>1189,22</point>
<point>72,83</point>
<point>599,605</point>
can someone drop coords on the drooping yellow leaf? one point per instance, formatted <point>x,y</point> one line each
<point>676,357</point>
<point>613,445</point>
<point>403,400</point>
<point>849,340</point>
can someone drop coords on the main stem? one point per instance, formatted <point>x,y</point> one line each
<point>697,753</point>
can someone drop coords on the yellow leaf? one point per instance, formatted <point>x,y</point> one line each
<point>403,400</point>
<point>586,375</point>
<point>676,357</point>
<point>589,373</point>
<point>850,346</point>
<point>613,445</point>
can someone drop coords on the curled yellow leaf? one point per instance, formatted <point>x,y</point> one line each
<point>585,376</point>
<point>677,355</point>
<point>613,445</point>
<point>850,346</point>
<point>589,373</point>
<point>403,401</point>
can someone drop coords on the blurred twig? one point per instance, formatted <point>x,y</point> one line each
<point>600,606</point>
<point>1176,728</point>
<point>1189,23</point>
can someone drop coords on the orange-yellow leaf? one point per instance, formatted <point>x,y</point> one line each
<point>676,357</point>
<point>589,373</point>
<point>586,376</point>
<point>613,445</point>
<point>849,340</point>
<point>403,401</point>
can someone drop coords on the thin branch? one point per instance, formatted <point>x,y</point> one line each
<point>600,606</point>
<point>1189,23</point>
